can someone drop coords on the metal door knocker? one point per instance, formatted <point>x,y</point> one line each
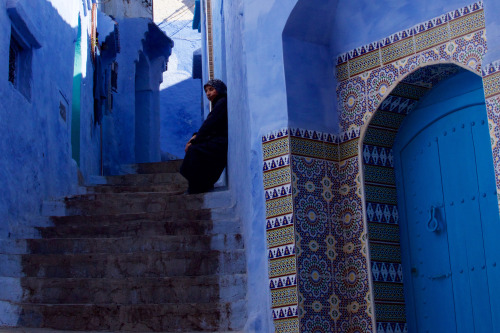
<point>433,224</point>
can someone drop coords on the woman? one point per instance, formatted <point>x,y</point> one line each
<point>206,151</point>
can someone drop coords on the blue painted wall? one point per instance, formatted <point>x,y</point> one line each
<point>492,8</point>
<point>280,58</point>
<point>35,147</point>
<point>180,94</point>
<point>361,22</point>
<point>140,71</point>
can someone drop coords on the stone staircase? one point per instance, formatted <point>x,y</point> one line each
<point>134,254</point>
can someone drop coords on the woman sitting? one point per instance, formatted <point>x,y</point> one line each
<point>206,151</point>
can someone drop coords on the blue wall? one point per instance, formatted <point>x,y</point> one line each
<point>141,61</point>
<point>280,58</point>
<point>180,94</point>
<point>36,162</point>
<point>492,8</point>
<point>360,22</point>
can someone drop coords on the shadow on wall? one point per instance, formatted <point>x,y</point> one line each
<point>180,116</point>
<point>310,82</point>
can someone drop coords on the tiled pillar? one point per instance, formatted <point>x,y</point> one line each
<point>491,83</point>
<point>353,271</point>
<point>314,161</point>
<point>280,231</point>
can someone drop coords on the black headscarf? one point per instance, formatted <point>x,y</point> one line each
<point>218,85</point>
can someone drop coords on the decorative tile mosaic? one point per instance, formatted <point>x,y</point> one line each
<point>364,63</point>
<point>422,38</point>
<point>318,242</point>
<point>392,101</point>
<point>277,181</point>
<point>431,37</point>
<point>466,24</point>
<point>470,50</point>
<point>351,96</point>
<point>491,84</point>
<point>398,50</point>
<point>493,111</point>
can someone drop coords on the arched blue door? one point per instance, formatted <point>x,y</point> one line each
<point>449,211</point>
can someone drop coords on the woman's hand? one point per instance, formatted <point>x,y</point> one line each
<point>189,143</point>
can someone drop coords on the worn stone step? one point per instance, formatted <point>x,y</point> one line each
<point>157,167</point>
<point>191,289</point>
<point>129,203</point>
<point>134,318</point>
<point>51,330</point>
<point>146,264</point>
<point>218,242</point>
<point>171,189</point>
<point>171,215</point>
<point>146,179</point>
<point>141,228</point>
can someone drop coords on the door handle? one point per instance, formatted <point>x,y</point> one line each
<point>432,224</point>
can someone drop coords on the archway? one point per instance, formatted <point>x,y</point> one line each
<point>426,102</point>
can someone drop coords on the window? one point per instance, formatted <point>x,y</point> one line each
<point>114,76</point>
<point>20,64</point>
<point>14,51</point>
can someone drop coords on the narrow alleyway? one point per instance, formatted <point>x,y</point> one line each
<point>136,255</point>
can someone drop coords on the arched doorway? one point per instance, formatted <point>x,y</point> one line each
<point>429,142</point>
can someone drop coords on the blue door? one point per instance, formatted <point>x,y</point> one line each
<point>449,211</point>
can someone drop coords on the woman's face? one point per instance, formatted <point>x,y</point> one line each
<point>211,93</point>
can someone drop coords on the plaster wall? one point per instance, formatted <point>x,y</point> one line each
<point>219,42</point>
<point>492,7</point>
<point>254,67</point>
<point>127,9</point>
<point>180,94</point>
<point>35,145</point>
<point>119,134</point>
<point>361,22</point>
<point>258,83</point>
<point>310,86</point>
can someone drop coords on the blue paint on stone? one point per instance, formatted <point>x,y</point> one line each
<point>180,94</point>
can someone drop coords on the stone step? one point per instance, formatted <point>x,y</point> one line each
<point>157,167</point>
<point>172,215</point>
<point>134,318</point>
<point>129,203</point>
<point>191,289</point>
<point>140,228</point>
<point>51,330</point>
<point>7,329</point>
<point>146,264</point>
<point>171,189</point>
<point>147,179</point>
<point>218,242</point>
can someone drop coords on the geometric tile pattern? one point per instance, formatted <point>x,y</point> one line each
<point>318,241</point>
<point>318,268</point>
<point>314,183</point>
<point>414,40</point>
<point>491,74</point>
<point>280,230</point>
<point>384,82</point>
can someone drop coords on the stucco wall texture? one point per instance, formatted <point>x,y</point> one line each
<point>286,65</point>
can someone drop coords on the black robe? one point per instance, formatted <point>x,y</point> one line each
<point>206,158</point>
